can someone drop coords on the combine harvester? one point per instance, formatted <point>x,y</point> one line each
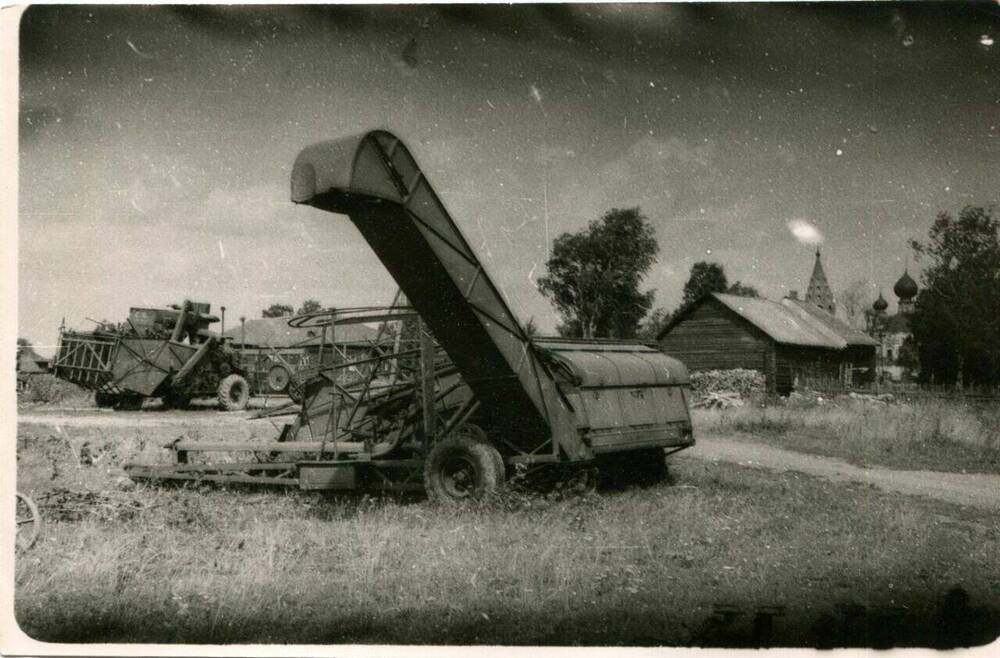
<point>471,394</point>
<point>166,353</point>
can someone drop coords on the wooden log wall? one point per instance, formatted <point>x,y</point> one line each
<point>712,337</point>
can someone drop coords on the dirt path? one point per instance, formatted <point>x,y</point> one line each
<point>973,489</point>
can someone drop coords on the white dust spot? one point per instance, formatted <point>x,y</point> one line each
<point>804,231</point>
<point>986,40</point>
<point>840,152</point>
<point>536,95</point>
<point>222,252</point>
<point>908,40</point>
<point>136,50</point>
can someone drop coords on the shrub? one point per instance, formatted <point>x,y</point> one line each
<point>742,381</point>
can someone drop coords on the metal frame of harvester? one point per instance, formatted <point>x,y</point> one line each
<point>473,394</point>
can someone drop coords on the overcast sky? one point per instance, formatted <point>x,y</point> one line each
<point>156,143</point>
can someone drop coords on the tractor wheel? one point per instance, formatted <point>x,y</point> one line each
<point>477,433</point>
<point>277,379</point>
<point>460,468</point>
<point>234,393</point>
<point>176,400</point>
<point>104,400</point>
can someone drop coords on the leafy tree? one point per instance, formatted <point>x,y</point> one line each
<point>956,319</point>
<point>856,301</point>
<point>593,276</point>
<point>277,311</point>
<point>908,355</point>
<point>741,290</point>
<point>309,306</point>
<point>650,329</point>
<point>706,278</point>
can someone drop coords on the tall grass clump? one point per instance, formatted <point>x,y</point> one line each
<point>934,434</point>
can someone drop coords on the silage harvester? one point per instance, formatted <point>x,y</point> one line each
<point>157,352</point>
<point>472,394</point>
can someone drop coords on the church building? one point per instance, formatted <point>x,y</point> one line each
<point>892,330</point>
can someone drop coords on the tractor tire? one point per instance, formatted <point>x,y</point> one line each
<point>477,433</point>
<point>460,469</point>
<point>104,400</point>
<point>234,393</point>
<point>278,379</point>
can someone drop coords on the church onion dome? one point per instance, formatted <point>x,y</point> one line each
<point>906,287</point>
<point>880,303</point>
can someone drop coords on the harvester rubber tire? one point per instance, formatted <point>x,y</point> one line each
<point>278,379</point>
<point>477,433</point>
<point>460,469</point>
<point>234,393</point>
<point>104,400</point>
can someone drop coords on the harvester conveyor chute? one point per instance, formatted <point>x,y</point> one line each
<point>375,180</point>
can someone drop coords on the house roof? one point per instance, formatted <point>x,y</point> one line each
<point>790,322</point>
<point>275,332</point>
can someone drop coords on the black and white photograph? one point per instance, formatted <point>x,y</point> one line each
<point>359,329</point>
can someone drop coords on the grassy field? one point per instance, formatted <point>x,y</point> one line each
<point>633,567</point>
<point>939,435</point>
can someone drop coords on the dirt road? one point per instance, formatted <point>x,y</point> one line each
<point>973,489</point>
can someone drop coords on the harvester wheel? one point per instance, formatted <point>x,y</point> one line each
<point>234,393</point>
<point>460,468</point>
<point>277,379</point>
<point>104,400</point>
<point>477,433</point>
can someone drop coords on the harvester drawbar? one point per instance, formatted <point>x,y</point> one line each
<point>461,392</point>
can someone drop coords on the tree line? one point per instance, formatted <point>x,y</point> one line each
<point>594,278</point>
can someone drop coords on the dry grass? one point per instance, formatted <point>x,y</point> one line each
<point>48,389</point>
<point>632,567</point>
<point>932,434</point>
